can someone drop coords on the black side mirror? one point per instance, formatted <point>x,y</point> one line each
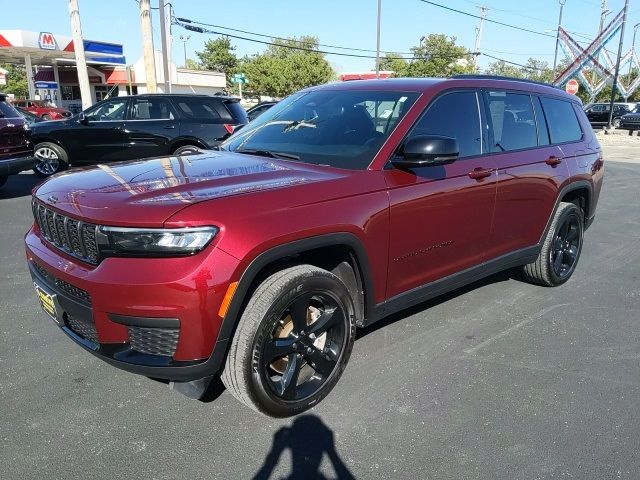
<point>427,150</point>
<point>82,118</point>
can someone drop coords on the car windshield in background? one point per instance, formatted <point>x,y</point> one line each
<point>343,129</point>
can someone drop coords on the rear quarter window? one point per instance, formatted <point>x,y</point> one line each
<point>561,120</point>
<point>7,111</point>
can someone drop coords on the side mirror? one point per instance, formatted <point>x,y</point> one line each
<point>82,118</point>
<point>427,150</point>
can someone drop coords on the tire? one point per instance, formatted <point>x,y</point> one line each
<point>3,179</point>
<point>616,123</point>
<point>561,249</point>
<point>187,150</point>
<point>51,159</point>
<point>46,117</point>
<point>270,346</point>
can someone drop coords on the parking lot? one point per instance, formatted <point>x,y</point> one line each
<point>501,379</point>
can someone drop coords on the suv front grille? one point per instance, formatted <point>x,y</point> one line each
<point>154,341</point>
<point>74,237</point>
<point>72,290</point>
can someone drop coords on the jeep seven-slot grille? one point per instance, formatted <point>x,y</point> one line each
<point>71,236</point>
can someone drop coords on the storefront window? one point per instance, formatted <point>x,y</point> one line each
<point>70,92</point>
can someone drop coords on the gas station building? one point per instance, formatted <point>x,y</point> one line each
<point>51,69</point>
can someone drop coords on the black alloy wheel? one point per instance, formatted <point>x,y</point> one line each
<point>566,247</point>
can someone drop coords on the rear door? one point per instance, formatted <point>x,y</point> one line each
<point>151,127</point>
<point>14,139</point>
<point>530,170</point>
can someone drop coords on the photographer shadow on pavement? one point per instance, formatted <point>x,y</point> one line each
<point>308,440</point>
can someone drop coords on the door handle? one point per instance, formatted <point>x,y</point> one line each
<point>169,127</point>
<point>479,173</point>
<point>553,161</point>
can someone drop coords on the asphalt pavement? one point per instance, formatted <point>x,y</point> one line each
<point>499,380</point>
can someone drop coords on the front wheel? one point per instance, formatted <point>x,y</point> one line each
<point>50,159</point>
<point>561,249</point>
<point>46,117</point>
<point>616,123</point>
<point>292,343</point>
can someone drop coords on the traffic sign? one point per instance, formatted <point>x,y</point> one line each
<point>239,78</point>
<point>572,86</point>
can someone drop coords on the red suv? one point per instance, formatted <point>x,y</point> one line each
<point>16,149</point>
<point>340,205</point>
<point>43,109</point>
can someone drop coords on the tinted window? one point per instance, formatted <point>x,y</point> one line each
<point>238,113</point>
<point>454,115</point>
<point>107,111</point>
<point>543,131</point>
<point>202,108</point>
<point>150,109</point>
<point>7,111</point>
<point>329,127</point>
<point>512,120</point>
<point>561,120</point>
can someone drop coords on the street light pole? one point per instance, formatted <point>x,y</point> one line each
<point>555,56</point>
<point>184,40</point>
<point>378,40</point>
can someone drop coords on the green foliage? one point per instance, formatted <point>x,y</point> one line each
<point>504,69</point>
<point>281,70</point>
<point>16,80</point>
<point>193,65</point>
<point>218,55</point>
<point>436,56</point>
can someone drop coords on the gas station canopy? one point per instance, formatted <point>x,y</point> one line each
<point>45,48</point>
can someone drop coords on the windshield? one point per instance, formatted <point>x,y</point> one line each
<point>339,128</point>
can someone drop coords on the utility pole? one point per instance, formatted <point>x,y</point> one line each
<point>615,76</point>
<point>377,40</point>
<point>78,47</point>
<point>163,41</point>
<point>476,49</point>
<point>147,46</point>
<point>184,40</point>
<point>555,56</point>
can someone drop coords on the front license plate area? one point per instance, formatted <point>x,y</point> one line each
<point>47,302</point>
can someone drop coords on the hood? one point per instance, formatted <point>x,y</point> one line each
<point>147,192</point>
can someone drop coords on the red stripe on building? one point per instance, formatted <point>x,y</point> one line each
<point>70,48</point>
<point>4,42</point>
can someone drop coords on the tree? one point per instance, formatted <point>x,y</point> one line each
<point>193,65</point>
<point>286,67</point>
<point>439,56</point>
<point>395,63</point>
<point>504,69</point>
<point>16,80</point>
<point>218,55</point>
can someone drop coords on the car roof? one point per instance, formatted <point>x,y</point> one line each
<point>423,85</point>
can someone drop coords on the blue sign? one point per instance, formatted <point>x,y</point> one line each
<point>46,85</point>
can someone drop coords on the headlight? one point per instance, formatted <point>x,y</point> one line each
<point>150,241</point>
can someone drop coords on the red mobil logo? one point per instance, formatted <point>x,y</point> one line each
<point>47,41</point>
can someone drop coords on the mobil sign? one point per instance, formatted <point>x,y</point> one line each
<point>47,41</point>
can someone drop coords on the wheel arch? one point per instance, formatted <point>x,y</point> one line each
<point>182,141</point>
<point>580,190</point>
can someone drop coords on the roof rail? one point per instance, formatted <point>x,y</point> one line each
<point>500,77</point>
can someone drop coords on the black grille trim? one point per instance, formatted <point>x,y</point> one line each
<point>154,341</point>
<point>74,237</point>
<point>76,292</point>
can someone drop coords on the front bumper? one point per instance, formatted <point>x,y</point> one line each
<point>137,314</point>
<point>630,125</point>
<point>17,164</point>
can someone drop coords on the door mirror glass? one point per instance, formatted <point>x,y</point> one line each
<point>427,150</point>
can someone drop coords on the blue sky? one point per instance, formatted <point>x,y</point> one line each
<point>338,22</point>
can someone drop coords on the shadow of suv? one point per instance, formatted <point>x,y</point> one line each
<point>125,128</point>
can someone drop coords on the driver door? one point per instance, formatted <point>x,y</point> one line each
<point>100,137</point>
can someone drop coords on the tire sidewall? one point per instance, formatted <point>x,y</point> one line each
<point>567,212</point>
<point>259,386</point>
<point>189,149</point>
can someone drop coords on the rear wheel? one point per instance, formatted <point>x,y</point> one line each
<point>616,123</point>
<point>561,248</point>
<point>50,159</point>
<point>292,343</point>
<point>187,150</point>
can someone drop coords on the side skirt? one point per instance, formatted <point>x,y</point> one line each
<point>452,282</point>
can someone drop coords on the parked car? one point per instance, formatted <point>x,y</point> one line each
<point>259,109</point>
<point>29,117</point>
<point>139,126</point>
<point>43,109</point>
<point>631,121</point>
<point>16,150</point>
<point>598,113</point>
<point>258,262</point>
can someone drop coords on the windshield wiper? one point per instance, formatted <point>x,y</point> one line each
<point>269,153</point>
